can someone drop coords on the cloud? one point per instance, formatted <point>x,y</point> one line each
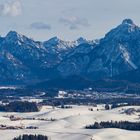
<point>74,22</point>
<point>11,8</point>
<point>40,26</point>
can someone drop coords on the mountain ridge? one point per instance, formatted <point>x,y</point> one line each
<point>23,59</point>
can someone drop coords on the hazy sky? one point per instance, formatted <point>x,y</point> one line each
<point>67,19</point>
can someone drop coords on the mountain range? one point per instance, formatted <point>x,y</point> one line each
<point>25,61</point>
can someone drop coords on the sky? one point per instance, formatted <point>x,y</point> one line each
<point>66,19</point>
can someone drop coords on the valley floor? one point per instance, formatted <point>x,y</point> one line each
<point>69,123</point>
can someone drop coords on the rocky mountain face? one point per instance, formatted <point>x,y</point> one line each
<point>23,59</point>
<point>116,53</point>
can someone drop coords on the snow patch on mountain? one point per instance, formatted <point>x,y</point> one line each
<point>126,56</point>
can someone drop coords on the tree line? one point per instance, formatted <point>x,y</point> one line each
<point>19,106</point>
<point>135,126</point>
<point>116,105</point>
<point>31,137</point>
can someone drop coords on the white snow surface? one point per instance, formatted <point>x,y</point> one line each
<point>70,123</point>
<point>127,58</point>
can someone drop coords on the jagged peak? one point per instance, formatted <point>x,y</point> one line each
<point>129,25</point>
<point>128,21</point>
<point>124,31</point>
<point>16,35</point>
<point>54,39</point>
<point>12,33</point>
<point>81,40</point>
<point>13,36</point>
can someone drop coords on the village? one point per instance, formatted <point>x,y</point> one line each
<point>21,124</point>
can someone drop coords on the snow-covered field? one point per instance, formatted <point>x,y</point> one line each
<point>70,123</point>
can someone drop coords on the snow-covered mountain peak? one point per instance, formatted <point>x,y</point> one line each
<point>53,42</point>
<point>13,34</point>
<point>123,32</point>
<point>54,39</point>
<point>128,21</point>
<point>128,26</point>
<point>81,40</point>
<point>14,37</point>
